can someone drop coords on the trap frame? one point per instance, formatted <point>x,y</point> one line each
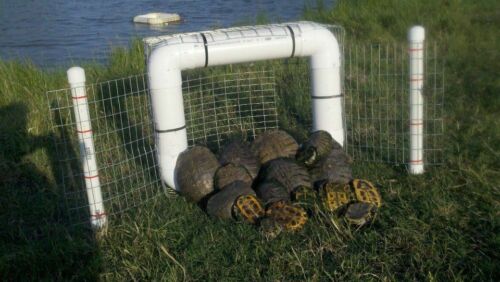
<point>243,99</point>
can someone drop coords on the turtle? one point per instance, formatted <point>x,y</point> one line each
<point>236,201</point>
<point>288,173</point>
<point>274,144</point>
<point>230,173</point>
<point>194,173</point>
<point>335,167</point>
<point>238,152</point>
<point>317,147</point>
<point>280,213</point>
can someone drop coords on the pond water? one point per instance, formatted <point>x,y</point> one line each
<point>62,32</point>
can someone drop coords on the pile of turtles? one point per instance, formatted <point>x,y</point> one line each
<point>275,183</point>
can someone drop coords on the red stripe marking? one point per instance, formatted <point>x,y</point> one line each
<point>99,215</point>
<point>79,97</point>
<point>415,49</point>
<point>416,79</point>
<point>417,123</point>
<point>85,131</point>
<point>416,161</point>
<point>90,177</point>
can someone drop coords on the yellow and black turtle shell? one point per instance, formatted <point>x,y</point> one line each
<point>316,147</point>
<point>366,192</point>
<point>334,196</point>
<point>230,173</point>
<point>274,144</point>
<point>238,152</point>
<point>291,217</point>
<point>194,173</point>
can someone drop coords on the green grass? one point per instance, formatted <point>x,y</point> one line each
<point>443,225</point>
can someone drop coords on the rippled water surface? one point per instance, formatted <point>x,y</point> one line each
<point>61,32</point>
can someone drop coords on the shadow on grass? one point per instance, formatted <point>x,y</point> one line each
<point>36,238</point>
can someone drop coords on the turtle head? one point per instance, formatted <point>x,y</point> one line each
<point>307,155</point>
<point>270,228</point>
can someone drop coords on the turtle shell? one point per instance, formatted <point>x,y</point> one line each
<point>194,173</point>
<point>334,196</point>
<point>230,173</point>
<point>221,204</point>
<point>272,191</point>
<point>288,173</point>
<point>274,144</point>
<point>336,167</point>
<point>291,217</point>
<point>317,147</point>
<point>239,153</point>
<point>366,192</point>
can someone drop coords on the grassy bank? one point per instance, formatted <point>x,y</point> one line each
<point>440,226</point>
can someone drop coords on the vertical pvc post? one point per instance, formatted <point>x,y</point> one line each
<point>76,79</point>
<point>416,37</point>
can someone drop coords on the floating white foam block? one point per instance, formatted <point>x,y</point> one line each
<point>178,52</point>
<point>416,37</point>
<point>157,18</point>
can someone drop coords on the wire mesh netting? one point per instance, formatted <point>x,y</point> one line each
<point>376,89</point>
<point>220,105</point>
<point>124,146</point>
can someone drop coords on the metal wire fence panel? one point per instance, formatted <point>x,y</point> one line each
<point>124,146</point>
<point>377,103</point>
<point>220,105</point>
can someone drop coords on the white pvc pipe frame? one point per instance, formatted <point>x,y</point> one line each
<point>238,45</point>
<point>416,37</point>
<point>76,79</point>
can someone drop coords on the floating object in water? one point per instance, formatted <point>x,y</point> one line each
<point>157,18</point>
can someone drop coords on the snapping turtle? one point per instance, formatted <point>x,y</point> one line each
<point>280,214</point>
<point>317,147</point>
<point>236,201</point>
<point>274,144</point>
<point>238,152</point>
<point>230,173</point>
<point>194,173</point>
<point>335,167</point>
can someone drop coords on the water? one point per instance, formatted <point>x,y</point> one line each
<point>62,32</point>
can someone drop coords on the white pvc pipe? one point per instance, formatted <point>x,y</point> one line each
<point>416,37</point>
<point>237,45</point>
<point>76,79</point>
